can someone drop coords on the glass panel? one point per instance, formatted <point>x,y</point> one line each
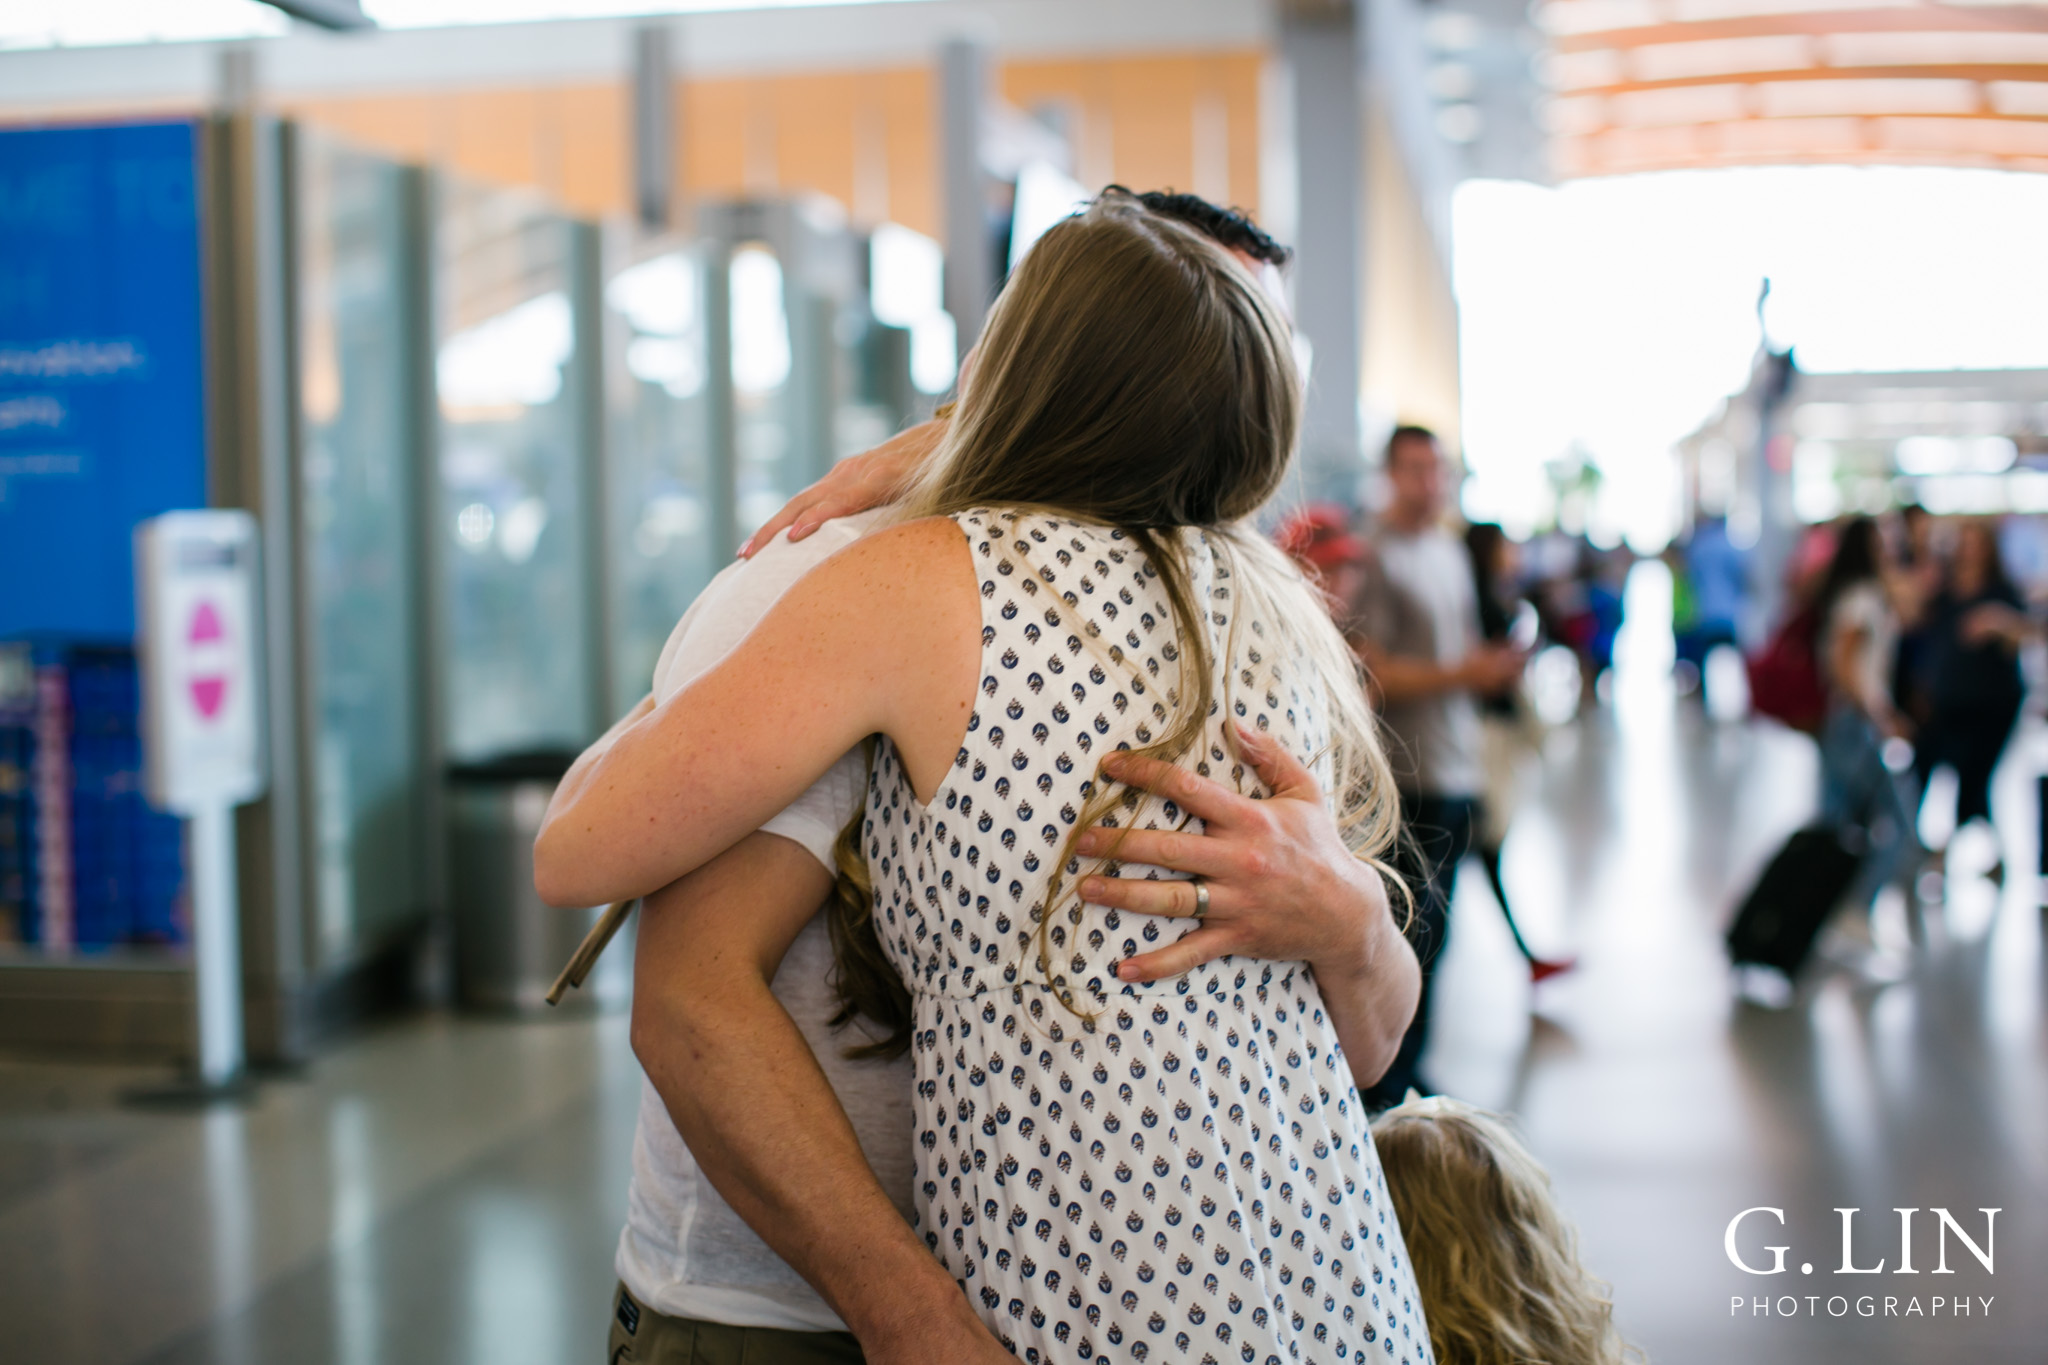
<point>872,395</point>
<point>765,414</point>
<point>360,568</point>
<point>660,485</point>
<point>518,678</point>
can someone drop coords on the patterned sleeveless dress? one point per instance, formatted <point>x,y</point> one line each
<point>1185,1173</point>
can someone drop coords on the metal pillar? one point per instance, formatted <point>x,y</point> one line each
<point>970,257</point>
<point>216,946</point>
<point>430,629</point>
<point>1320,45</point>
<point>251,467</point>
<point>720,420</point>
<point>654,126</point>
<point>586,302</point>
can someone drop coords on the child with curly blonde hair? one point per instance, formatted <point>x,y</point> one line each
<point>1493,1256</point>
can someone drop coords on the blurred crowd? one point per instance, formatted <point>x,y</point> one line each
<point>1898,645</point>
<point>1894,641</point>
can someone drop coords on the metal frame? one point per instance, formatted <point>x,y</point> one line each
<point>587,397</point>
<point>252,343</point>
<point>429,626</point>
<point>721,418</point>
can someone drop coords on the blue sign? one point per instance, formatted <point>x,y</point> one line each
<point>102,368</point>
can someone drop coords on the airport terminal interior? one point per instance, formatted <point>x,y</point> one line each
<point>382,380</point>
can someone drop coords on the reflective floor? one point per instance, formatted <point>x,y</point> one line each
<point>449,1191</point>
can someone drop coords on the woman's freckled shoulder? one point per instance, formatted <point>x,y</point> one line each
<point>911,551</point>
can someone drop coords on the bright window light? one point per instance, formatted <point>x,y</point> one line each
<point>1045,195</point>
<point>934,348</point>
<point>1956,454</point>
<point>760,326</point>
<point>906,274</point>
<point>100,23</point>
<point>1815,495</point>
<point>671,362</point>
<point>512,360</point>
<point>659,296</point>
<point>1611,316</point>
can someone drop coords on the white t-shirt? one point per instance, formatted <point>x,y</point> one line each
<point>1422,604</point>
<point>1866,609</point>
<point>684,1251</point>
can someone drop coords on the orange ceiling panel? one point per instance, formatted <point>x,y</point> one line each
<point>1671,84</point>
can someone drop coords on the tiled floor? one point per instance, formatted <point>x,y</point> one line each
<point>444,1191</point>
<point>449,1191</point>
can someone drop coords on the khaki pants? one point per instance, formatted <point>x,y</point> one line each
<point>641,1336</point>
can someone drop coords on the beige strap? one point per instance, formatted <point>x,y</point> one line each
<point>592,947</point>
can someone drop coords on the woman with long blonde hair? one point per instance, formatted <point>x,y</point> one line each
<point>1134,1136</point>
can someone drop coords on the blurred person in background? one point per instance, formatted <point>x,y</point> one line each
<point>1711,577</point>
<point>1509,732</point>
<point>1808,564</point>
<point>1920,570</point>
<point>1581,605</point>
<point>1418,633</point>
<point>1972,630</point>
<point>1319,539</point>
<point>1857,618</point>
<point>1788,679</point>
<point>1605,573</point>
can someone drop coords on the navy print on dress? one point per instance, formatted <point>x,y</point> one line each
<point>1182,1170</point>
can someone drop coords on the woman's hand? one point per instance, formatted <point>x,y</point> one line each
<point>1282,885</point>
<point>855,484</point>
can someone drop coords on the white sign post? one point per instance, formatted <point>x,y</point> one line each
<point>202,730</point>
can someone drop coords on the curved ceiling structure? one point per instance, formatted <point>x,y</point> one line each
<point>1670,84</point>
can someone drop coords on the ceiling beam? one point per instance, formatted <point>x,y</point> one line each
<point>1789,120</point>
<point>1579,163</point>
<point>1855,140</point>
<point>2037,72</point>
<point>2015,19</point>
<point>334,14</point>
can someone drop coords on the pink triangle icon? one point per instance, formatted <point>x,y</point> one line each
<point>208,694</point>
<point>205,625</point>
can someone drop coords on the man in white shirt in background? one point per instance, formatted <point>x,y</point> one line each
<point>1418,633</point>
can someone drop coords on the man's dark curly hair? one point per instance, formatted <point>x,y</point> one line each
<point>1229,227</point>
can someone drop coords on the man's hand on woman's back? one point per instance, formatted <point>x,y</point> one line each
<point>1282,886</point>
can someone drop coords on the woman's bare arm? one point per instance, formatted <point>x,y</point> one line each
<point>747,1095</point>
<point>884,637</point>
<point>580,769</point>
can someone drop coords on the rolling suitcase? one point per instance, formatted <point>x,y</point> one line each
<point>2043,811</point>
<point>1783,913</point>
